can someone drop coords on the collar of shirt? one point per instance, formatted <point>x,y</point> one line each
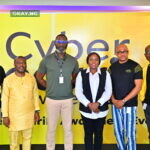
<point>56,55</point>
<point>94,82</point>
<point>98,70</point>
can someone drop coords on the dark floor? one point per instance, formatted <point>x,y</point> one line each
<point>81,147</point>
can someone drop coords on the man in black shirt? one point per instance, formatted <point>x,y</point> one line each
<point>2,76</point>
<point>126,77</point>
<point>145,92</point>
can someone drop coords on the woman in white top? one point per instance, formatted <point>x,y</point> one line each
<point>93,90</point>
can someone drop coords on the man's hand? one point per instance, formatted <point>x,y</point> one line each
<point>118,103</point>
<point>36,116</point>
<point>6,121</point>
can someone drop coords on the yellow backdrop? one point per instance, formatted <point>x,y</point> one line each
<point>86,32</point>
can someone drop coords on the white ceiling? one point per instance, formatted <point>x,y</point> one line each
<point>78,2</point>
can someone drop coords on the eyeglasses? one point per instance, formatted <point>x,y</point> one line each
<point>147,52</point>
<point>61,41</point>
<point>122,52</point>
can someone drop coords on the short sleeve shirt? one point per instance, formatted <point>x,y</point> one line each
<point>50,66</point>
<point>123,77</point>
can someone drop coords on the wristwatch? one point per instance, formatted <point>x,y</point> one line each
<point>124,101</point>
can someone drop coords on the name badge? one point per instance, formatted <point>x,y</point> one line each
<point>61,80</point>
<point>144,106</point>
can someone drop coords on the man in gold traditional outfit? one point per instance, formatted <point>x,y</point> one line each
<point>20,104</point>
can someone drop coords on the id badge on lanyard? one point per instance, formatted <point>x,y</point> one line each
<point>61,78</point>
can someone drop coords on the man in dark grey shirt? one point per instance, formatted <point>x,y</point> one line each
<point>61,70</point>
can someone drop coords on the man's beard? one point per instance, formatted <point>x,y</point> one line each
<point>61,51</point>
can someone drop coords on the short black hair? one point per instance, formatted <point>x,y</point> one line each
<point>19,57</point>
<point>93,53</point>
<point>62,35</point>
<point>147,47</point>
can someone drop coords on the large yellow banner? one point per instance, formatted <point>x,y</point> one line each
<point>101,32</point>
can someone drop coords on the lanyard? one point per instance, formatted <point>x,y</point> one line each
<point>60,63</point>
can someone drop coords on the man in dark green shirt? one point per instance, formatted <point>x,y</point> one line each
<point>61,70</point>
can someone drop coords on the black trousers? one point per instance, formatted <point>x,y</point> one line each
<point>93,130</point>
<point>147,116</point>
